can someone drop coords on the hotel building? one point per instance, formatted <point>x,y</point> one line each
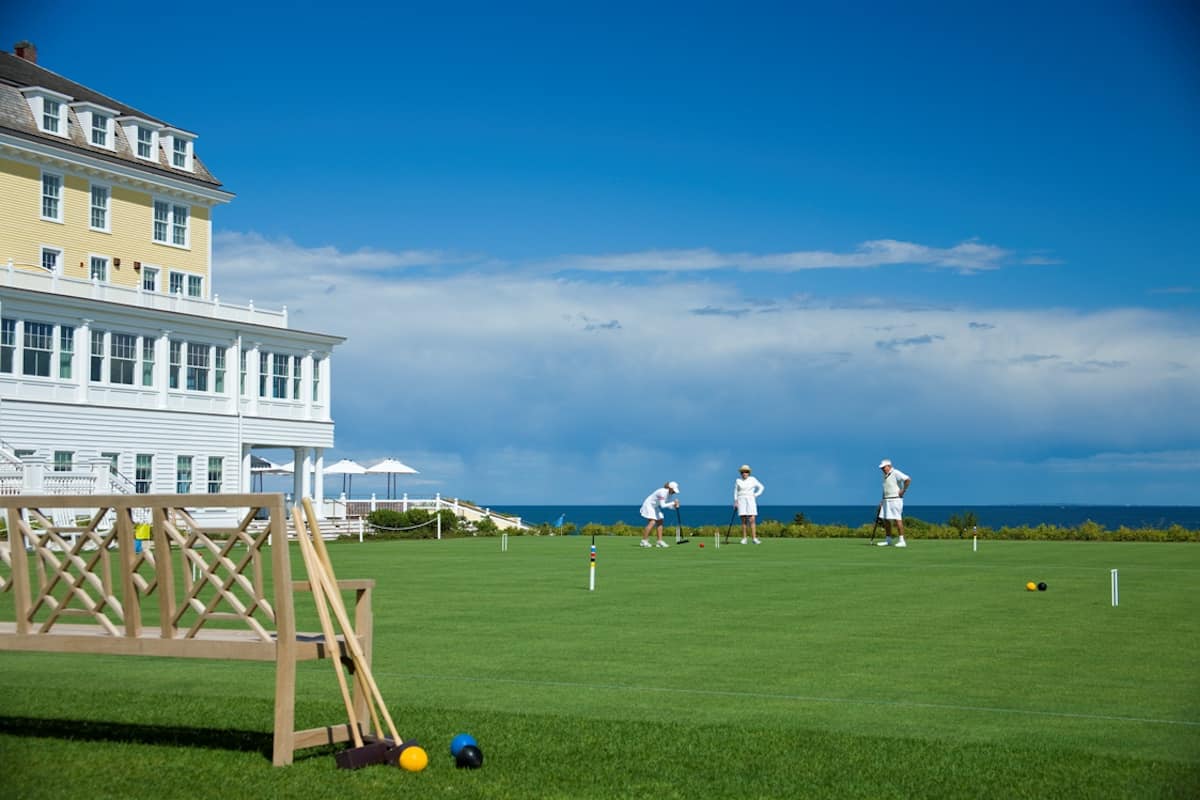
<point>120,368</point>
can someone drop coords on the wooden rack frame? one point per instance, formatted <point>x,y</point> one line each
<point>86,567</point>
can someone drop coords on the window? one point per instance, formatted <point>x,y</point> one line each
<point>179,152</point>
<point>122,348</point>
<point>179,226</point>
<point>99,269</point>
<point>279,377</point>
<point>297,371</point>
<point>100,196</point>
<point>145,142</point>
<point>149,279</point>
<point>264,368</point>
<point>214,474</point>
<point>66,350</point>
<point>100,129</point>
<point>197,367</point>
<point>162,214</point>
<point>183,474</point>
<point>52,197</point>
<point>176,349</point>
<point>147,361</point>
<point>316,381</point>
<point>242,373</point>
<point>51,115</point>
<point>219,368</point>
<point>143,471</point>
<point>172,219</point>
<point>195,285</point>
<point>176,283</point>
<point>97,355</point>
<point>52,259</point>
<point>8,344</point>
<point>64,460</point>
<point>114,459</point>
<point>39,347</point>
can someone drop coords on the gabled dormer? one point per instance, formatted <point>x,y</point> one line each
<point>178,144</point>
<point>49,109</point>
<point>142,135</point>
<point>98,124</point>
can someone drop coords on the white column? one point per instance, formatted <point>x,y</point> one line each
<point>162,366</point>
<point>83,360</point>
<point>252,379</point>
<point>319,479</point>
<point>306,379</point>
<point>246,476</point>
<point>308,472</point>
<point>299,464</point>
<point>326,383</point>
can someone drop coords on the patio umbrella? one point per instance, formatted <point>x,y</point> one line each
<point>347,469</point>
<point>260,466</point>
<point>393,468</point>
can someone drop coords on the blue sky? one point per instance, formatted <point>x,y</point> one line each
<point>579,250</point>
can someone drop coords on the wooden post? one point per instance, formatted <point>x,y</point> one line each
<point>285,638</point>
<point>20,569</point>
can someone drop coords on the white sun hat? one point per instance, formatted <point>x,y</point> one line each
<point>887,462</point>
<point>673,486</point>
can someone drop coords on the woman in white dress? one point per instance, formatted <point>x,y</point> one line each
<point>746,490</point>
<point>652,508</point>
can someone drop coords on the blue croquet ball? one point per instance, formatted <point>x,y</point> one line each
<point>469,757</point>
<point>461,741</point>
<point>1041,587</point>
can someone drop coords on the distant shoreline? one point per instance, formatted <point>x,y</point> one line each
<point>1110,517</point>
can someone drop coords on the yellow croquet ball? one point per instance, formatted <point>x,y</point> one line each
<point>414,759</point>
<point>1031,586</point>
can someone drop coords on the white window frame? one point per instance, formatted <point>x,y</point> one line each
<point>101,128</point>
<point>58,198</point>
<point>195,286</point>
<point>175,275</point>
<point>46,332</point>
<point>89,114</point>
<point>57,269</point>
<point>39,98</point>
<point>150,274</point>
<point>106,209</point>
<point>171,223</point>
<point>93,259</point>
<point>131,126</point>
<point>179,148</point>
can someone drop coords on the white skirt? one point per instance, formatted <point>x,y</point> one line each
<point>747,505</point>
<point>651,511</point>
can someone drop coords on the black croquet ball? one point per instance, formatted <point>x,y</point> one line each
<point>469,757</point>
<point>1041,587</point>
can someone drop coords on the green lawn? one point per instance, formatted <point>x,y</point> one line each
<point>797,668</point>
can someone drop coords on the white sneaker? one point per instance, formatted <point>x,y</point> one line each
<point>758,541</point>
<point>644,543</point>
<point>901,543</point>
<point>883,544</point>
<point>661,544</point>
<point>744,541</point>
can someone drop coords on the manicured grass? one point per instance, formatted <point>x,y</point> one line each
<point>798,668</point>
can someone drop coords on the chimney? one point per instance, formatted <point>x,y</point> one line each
<point>27,50</point>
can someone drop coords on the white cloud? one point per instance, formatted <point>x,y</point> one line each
<point>537,385</point>
<point>969,256</point>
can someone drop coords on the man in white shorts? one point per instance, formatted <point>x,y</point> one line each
<point>652,508</point>
<point>891,508</point>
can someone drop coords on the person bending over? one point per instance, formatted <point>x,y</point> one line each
<point>652,507</point>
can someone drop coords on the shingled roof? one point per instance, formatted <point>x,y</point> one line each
<point>16,118</point>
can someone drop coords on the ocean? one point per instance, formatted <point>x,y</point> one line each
<point>1110,517</point>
